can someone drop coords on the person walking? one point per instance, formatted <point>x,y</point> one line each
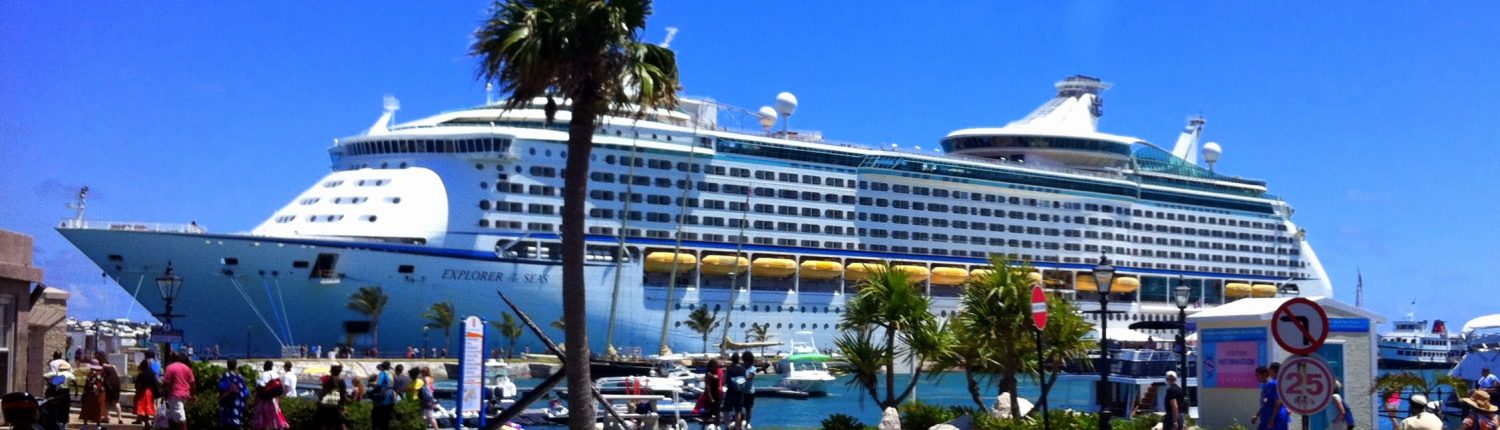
<point>712,399</point>
<point>233,393</point>
<point>1480,413</point>
<point>288,380</point>
<point>1175,405</point>
<point>1489,382</point>
<point>1343,417</point>
<point>401,381</point>
<point>112,388</point>
<point>147,390</point>
<point>59,397</point>
<point>266,414</point>
<point>735,379</point>
<point>382,395</point>
<point>177,384</point>
<point>1421,417</point>
<point>267,374</point>
<point>1272,414</point>
<point>94,407</point>
<point>331,399</point>
<point>427,397</point>
<point>747,395</point>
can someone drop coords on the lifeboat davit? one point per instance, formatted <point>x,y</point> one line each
<point>949,275</point>
<point>1237,290</point>
<point>664,262</point>
<point>773,267</point>
<point>818,269</point>
<point>724,265</point>
<point>1263,290</point>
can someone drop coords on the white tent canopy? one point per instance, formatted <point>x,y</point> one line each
<point>1123,334</point>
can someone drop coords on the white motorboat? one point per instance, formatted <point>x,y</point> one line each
<point>804,369</point>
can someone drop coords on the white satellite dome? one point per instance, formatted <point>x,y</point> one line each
<point>767,117</point>
<point>786,103</point>
<point>1211,152</point>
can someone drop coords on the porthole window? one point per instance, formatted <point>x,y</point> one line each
<point>549,153</point>
<point>804,325</point>
<point>742,308</point>
<point>617,132</point>
<point>395,200</point>
<point>678,305</point>
<point>533,151</point>
<point>677,324</point>
<point>403,165</point>
<point>778,308</point>
<point>742,324</point>
<point>563,154</point>
<point>778,325</point>
<point>803,309</point>
<point>484,185</point>
<point>755,308</point>
<point>716,308</point>
<point>385,165</point>
<point>480,167</point>
<point>370,218</point>
<point>518,169</point>
<point>484,223</point>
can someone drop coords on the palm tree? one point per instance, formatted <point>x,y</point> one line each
<point>1066,341</point>
<point>759,332</point>
<point>586,52</point>
<point>370,302</point>
<point>440,316</point>
<point>510,329</point>
<point>994,327</point>
<point>702,322</point>
<point>888,308</point>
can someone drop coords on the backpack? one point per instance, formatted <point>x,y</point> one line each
<point>380,390</point>
<point>1348,413</point>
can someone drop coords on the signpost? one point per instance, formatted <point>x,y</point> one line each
<point>471,372</point>
<point>1305,383</point>
<point>1039,319</point>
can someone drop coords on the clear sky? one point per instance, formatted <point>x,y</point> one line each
<point>1373,119</point>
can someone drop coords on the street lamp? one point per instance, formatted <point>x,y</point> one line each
<point>170,284</point>
<point>424,341</point>
<point>1181,300</point>
<point>1104,276</point>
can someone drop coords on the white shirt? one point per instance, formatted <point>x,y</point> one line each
<point>265,378</point>
<point>289,383</point>
<point>1422,421</point>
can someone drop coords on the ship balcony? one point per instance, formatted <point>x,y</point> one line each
<point>157,227</point>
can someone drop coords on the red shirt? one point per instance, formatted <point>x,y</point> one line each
<point>178,379</point>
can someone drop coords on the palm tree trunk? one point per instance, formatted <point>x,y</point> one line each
<point>973,385</point>
<point>890,368</point>
<point>575,308</point>
<point>705,342</point>
<point>375,335</point>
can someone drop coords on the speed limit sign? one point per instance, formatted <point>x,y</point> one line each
<point>1305,384</point>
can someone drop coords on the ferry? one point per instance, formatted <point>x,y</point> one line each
<point>686,210</point>
<point>1412,346</point>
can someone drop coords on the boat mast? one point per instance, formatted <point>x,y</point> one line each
<point>78,207</point>
<point>621,254</point>
<point>666,312</point>
<point>734,277</point>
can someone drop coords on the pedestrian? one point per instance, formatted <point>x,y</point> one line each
<point>712,399</point>
<point>59,398</point>
<point>317,351</point>
<point>233,393</point>
<point>57,361</point>
<point>1489,382</point>
<point>1343,417</point>
<point>1272,414</point>
<point>177,383</point>
<point>410,354</point>
<point>288,380</point>
<point>112,388</point>
<point>267,374</point>
<point>147,390</point>
<point>1480,414</point>
<point>1175,404</point>
<point>94,407</point>
<point>402,381</point>
<point>331,400</point>
<point>189,351</point>
<point>747,403</point>
<point>382,396</point>
<point>1421,417</point>
<point>734,384</point>
<point>267,413</point>
<point>426,396</point>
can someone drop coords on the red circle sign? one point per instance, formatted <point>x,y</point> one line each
<point>1305,384</point>
<point>1038,307</point>
<point>1299,326</point>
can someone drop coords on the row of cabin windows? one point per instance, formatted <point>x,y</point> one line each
<point>733,172</point>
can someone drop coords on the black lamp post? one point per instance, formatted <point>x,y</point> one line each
<point>1181,300</point>
<point>1104,276</point>
<point>170,284</point>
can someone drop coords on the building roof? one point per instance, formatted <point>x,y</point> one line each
<point>1261,309</point>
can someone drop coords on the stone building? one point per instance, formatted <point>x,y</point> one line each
<point>31,317</point>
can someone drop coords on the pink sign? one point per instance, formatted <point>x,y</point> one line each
<point>1234,364</point>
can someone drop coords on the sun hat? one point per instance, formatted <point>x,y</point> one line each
<point>94,365</point>
<point>1479,400</point>
<point>1419,400</point>
<point>1171,374</point>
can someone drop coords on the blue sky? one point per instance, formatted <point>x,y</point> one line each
<point>1373,119</point>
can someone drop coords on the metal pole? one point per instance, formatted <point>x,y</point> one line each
<point>1104,392</point>
<point>1041,378</point>
<point>1182,336</point>
<point>166,347</point>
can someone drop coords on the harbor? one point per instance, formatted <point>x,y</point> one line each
<point>637,215</point>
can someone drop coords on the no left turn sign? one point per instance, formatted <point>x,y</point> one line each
<point>1300,326</point>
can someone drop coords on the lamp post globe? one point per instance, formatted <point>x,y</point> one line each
<point>1104,276</point>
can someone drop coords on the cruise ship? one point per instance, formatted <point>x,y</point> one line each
<point>772,226</point>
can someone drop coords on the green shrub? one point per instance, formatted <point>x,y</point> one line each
<point>842,422</point>
<point>916,415</point>
<point>299,411</point>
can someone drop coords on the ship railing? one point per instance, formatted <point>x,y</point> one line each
<point>78,224</point>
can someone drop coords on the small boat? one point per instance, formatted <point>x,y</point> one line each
<point>497,379</point>
<point>805,369</point>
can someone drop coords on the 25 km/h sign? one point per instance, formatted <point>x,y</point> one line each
<point>1305,384</point>
<point>1300,326</point>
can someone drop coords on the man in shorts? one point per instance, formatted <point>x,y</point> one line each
<point>177,380</point>
<point>747,401</point>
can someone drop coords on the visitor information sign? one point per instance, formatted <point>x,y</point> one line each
<point>472,374</point>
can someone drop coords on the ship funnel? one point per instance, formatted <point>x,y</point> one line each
<point>383,125</point>
<point>1187,142</point>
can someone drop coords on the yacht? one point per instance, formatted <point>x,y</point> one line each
<point>1482,341</point>
<point>688,210</point>
<point>804,369</point>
